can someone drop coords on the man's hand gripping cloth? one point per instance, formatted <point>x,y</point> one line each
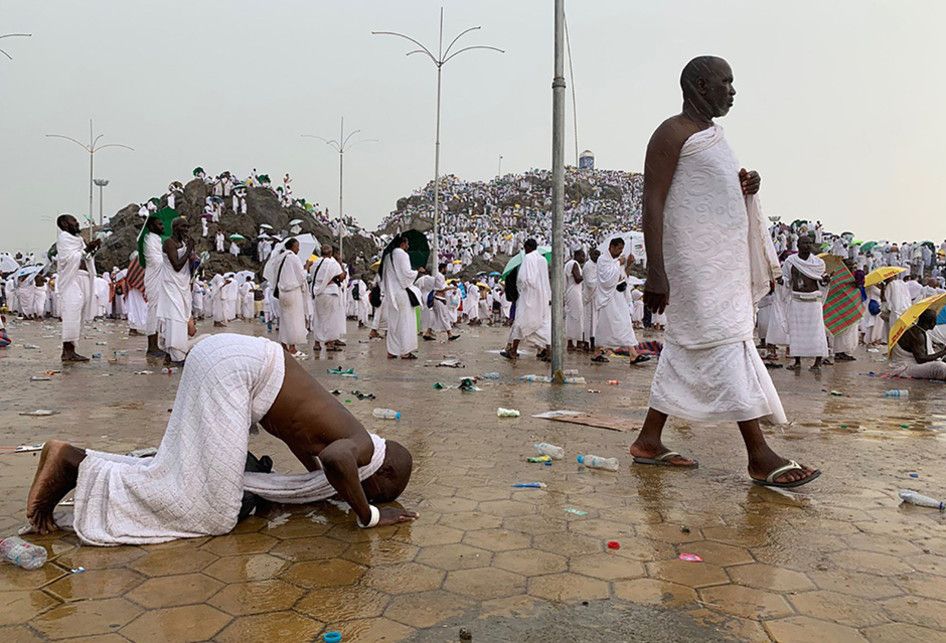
<point>194,485</point>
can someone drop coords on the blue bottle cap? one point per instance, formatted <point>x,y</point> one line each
<point>332,637</point>
<point>581,459</point>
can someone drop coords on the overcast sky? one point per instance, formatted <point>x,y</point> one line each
<point>839,103</point>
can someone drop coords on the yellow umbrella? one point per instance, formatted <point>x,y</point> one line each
<point>314,258</point>
<point>882,274</point>
<point>376,265</point>
<point>910,317</point>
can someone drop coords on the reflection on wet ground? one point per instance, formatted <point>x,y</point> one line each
<point>842,560</point>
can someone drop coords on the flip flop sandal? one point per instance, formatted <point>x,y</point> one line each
<point>409,356</point>
<point>640,359</point>
<point>428,339</point>
<point>772,365</point>
<point>600,359</point>
<point>509,355</point>
<point>452,338</point>
<point>791,466</point>
<point>663,460</point>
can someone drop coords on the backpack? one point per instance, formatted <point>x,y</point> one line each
<point>374,297</point>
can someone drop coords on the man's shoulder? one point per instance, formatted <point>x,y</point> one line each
<point>674,131</point>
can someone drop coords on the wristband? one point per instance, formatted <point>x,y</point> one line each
<point>375,518</point>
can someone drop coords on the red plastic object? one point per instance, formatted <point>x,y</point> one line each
<point>613,544</point>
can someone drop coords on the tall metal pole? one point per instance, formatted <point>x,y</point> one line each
<point>443,56</point>
<point>571,79</point>
<point>558,198</point>
<point>12,35</point>
<point>499,170</point>
<point>91,174</point>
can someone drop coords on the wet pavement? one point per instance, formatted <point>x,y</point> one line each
<point>840,561</point>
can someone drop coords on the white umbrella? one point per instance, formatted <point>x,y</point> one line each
<point>307,245</point>
<point>243,274</point>
<point>266,226</point>
<point>8,264</point>
<point>633,244</point>
<point>27,271</point>
<point>294,222</point>
<point>121,274</point>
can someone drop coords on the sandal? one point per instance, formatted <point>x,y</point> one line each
<point>663,460</point>
<point>508,355</point>
<point>600,359</point>
<point>640,359</point>
<point>791,466</point>
<point>409,356</point>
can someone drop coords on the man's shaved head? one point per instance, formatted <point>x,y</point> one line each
<point>390,480</point>
<point>706,82</point>
<point>327,250</point>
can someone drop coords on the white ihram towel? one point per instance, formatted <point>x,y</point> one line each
<point>195,483</point>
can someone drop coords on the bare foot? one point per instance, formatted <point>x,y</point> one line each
<point>650,452</point>
<point>56,475</point>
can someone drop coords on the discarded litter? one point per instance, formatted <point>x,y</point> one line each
<point>338,370</point>
<point>40,378</point>
<point>529,485</point>
<point>31,347</point>
<point>577,512</point>
<point>918,499</point>
<point>690,558</point>
<point>575,379</point>
<point>450,363</point>
<point>507,413</point>
<point>26,448</point>
<point>336,392</point>
<point>594,390</point>
<point>597,462</point>
<point>554,452</point>
<point>914,475</point>
<point>279,520</point>
<point>539,458</point>
<point>101,343</point>
<point>169,370</point>
<point>22,553</point>
<point>613,544</point>
<point>39,413</point>
<point>332,637</point>
<point>386,414</point>
<point>438,386</point>
<point>363,396</point>
<point>77,570</point>
<point>144,372</point>
<point>613,382</point>
<point>96,356</point>
<point>535,378</point>
<point>121,353</point>
<point>904,426</point>
<point>837,393</point>
<point>902,392</point>
<point>491,376</point>
<point>468,385</point>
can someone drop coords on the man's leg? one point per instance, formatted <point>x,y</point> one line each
<point>69,353</point>
<point>817,365</point>
<point>649,445</point>
<point>763,460</point>
<point>56,475</point>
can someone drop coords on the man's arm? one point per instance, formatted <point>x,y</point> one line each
<point>169,247</point>
<point>914,342</point>
<point>576,273</point>
<point>663,154</point>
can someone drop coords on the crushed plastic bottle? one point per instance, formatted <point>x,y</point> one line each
<point>169,370</point>
<point>535,378</point>
<point>491,376</point>
<point>554,452</point>
<point>507,413</point>
<point>575,379</point>
<point>597,462</point>
<point>918,499</point>
<point>894,392</point>
<point>386,414</point>
<point>21,553</point>
<point>530,485</point>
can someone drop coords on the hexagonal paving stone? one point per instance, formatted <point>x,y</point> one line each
<point>450,557</point>
<point>484,493</point>
<point>470,520</point>
<point>902,632</point>
<point>485,583</point>
<point>100,557</point>
<point>606,566</point>
<point>86,618</point>
<point>855,583</point>
<point>506,508</point>
<point>530,562</point>
<point>567,544</point>
<point>447,505</point>
<point>601,529</point>
<point>536,524</point>
<point>333,604</point>
<point>746,602</point>
<point>19,634</point>
<point>521,606</point>
<point>96,583</point>
<point>190,623</point>
<point>738,536</point>
<point>278,626</point>
<point>407,577</point>
<point>174,591</point>
<point>803,629</point>
<point>928,563</point>
<point>255,543</point>
<point>427,608</point>
<point>298,526</point>
<point>690,574</point>
<point>718,553</point>
<point>925,585</point>
<point>382,552</point>
<point>497,539</point>
<point>870,563</point>
<point>651,591</point>
<point>426,535</point>
<point>918,611</point>
<point>318,548</point>
<point>567,588</point>
<point>324,573</point>
<point>881,545</point>
<point>168,562</point>
<point>840,608</point>
<point>768,577</point>
<point>256,597</point>
<point>350,532</point>
<point>376,629</point>
<point>22,579</point>
<point>733,627</point>
<point>23,606</point>
<point>644,549</point>
<point>240,569</point>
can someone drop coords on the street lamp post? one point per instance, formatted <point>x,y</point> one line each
<point>12,35</point>
<point>499,170</point>
<point>441,59</point>
<point>101,183</point>
<point>341,145</point>
<point>91,148</point>
<point>558,198</point>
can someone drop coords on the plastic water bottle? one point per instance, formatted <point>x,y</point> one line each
<point>575,379</point>
<point>552,451</point>
<point>597,462</point>
<point>507,413</point>
<point>386,414</point>
<point>894,392</point>
<point>535,378</point>
<point>490,376</point>
<point>168,370</point>
<point>22,554</point>
<point>920,500</point>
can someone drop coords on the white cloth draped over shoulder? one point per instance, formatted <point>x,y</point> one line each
<point>709,368</point>
<point>589,284</point>
<point>574,306</point>
<point>614,329</point>
<point>533,314</point>
<point>292,286</point>
<point>174,306</point>
<point>327,299</point>
<point>75,285</point>
<point>401,338</point>
<point>154,281</point>
<point>194,485</point>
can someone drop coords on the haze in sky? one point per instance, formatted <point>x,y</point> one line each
<point>838,107</point>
